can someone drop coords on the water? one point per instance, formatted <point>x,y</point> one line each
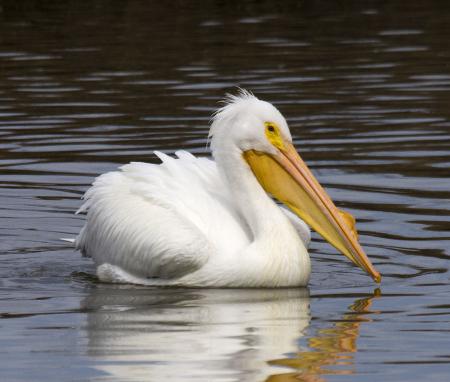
<point>87,86</point>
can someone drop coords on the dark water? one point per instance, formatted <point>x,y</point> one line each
<point>88,85</point>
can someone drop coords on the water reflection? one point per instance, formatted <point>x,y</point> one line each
<point>330,350</point>
<point>179,334</point>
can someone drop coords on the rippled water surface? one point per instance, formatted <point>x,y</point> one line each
<point>86,86</point>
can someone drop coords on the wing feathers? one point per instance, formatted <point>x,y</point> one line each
<point>158,220</point>
<point>146,239</point>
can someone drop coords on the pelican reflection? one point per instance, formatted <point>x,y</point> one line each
<point>137,334</point>
<point>330,350</point>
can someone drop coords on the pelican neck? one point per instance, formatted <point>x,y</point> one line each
<point>258,210</point>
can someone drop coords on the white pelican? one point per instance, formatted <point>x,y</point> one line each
<point>196,222</point>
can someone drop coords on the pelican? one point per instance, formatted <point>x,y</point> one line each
<point>214,223</point>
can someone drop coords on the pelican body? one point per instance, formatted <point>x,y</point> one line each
<point>212,223</point>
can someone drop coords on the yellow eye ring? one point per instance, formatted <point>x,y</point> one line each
<point>273,135</point>
<point>271,127</point>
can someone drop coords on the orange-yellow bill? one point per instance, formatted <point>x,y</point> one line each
<point>288,179</point>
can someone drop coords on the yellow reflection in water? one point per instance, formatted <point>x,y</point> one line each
<point>330,347</point>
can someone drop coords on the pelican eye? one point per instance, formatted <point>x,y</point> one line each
<point>273,135</point>
<point>271,128</point>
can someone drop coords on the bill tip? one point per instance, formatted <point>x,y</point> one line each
<point>377,278</point>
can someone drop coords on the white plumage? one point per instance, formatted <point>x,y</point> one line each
<point>195,222</point>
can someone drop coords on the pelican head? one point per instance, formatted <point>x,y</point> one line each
<point>257,132</point>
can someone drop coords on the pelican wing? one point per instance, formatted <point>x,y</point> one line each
<point>300,226</point>
<point>160,221</point>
